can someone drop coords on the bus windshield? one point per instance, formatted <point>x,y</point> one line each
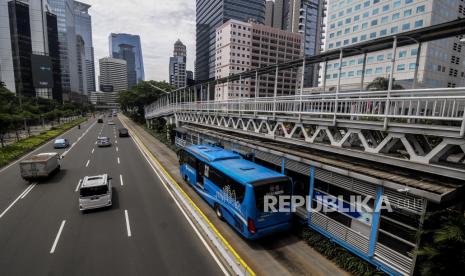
<point>274,187</point>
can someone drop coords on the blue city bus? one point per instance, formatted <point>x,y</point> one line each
<point>236,188</point>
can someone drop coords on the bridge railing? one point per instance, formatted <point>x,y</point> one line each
<point>432,106</point>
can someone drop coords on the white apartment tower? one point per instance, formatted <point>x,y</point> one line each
<point>113,75</point>
<point>441,63</point>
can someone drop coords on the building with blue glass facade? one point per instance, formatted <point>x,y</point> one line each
<point>128,47</point>
<point>85,48</point>
<point>211,14</point>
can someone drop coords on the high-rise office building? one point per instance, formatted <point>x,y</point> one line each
<point>84,47</point>
<point>64,9</point>
<point>113,75</point>
<point>211,14</point>
<point>178,75</point>
<point>29,57</point>
<point>128,47</point>
<point>304,17</point>
<point>350,22</point>
<point>240,47</point>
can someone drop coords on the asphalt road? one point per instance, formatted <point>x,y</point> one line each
<point>43,232</point>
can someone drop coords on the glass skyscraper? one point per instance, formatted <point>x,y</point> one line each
<point>128,47</point>
<point>211,14</point>
<point>85,48</point>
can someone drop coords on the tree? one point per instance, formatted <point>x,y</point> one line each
<point>442,250</point>
<point>381,83</point>
<point>133,101</point>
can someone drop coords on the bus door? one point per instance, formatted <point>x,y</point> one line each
<point>200,173</point>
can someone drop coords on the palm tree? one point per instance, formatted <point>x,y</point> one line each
<point>442,250</point>
<point>382,83</point>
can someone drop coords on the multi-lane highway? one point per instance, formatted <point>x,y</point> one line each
<point>42,231</point>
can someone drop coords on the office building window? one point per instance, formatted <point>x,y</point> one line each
<point>357,7</point>
<point>407,12</point>
<point>412,66</point>
<point>352,62</point>
<point>394,29</point>
<point>388,69</point>
<point>414,52</point>
<point>368,71</point>
<point>354,39</point>
<point>408,2</point>
<point>350,74</point>
<point>421,9</point>
<point>355,28</point>
<point>384,19</point>
<point>347,30</point>
<point>366,4</point>
<point>402,54</point>
<point>356,18</point>
<point>360,60</point>
<point>418,23</point>
<point>365,26</point>
<point>395,16</point>
<point>383,32</point>
<point>396,4</point>
<point>348,20</point>
<point>374,22</point>
<point>380,58</point>
<point>378,70</point>
<point>371,60</point>
<point>363,37</point>
<point>400,67</point>
<point>366,14</point>
<point>375,11</point>
<point>406,27</point>
<point>373,35</point>
<point>385,8</point>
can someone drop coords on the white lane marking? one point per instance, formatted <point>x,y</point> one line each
<point>96,142</point>
<point>207,246</point>
<point>57,237</point>
<point>16,200</point>
<point>87,164</point>
<point>118,160</point>
<point>27,192</point>
<point>128,227</point>
<point>93,151</point>
<point>117,149</point>
<point>121,180</point>
<point>79,184</point>
<point>77,141</point>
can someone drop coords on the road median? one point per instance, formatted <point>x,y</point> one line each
<point>14,151</point>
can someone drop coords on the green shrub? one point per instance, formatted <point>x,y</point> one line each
<point>339,255</point>
<point>11,152</point>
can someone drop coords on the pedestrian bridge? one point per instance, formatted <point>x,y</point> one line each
<point>422,129</point>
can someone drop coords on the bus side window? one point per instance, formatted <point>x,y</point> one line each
<point>182,156</point>
<point>191,161</point>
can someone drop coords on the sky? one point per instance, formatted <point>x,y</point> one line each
<point>158,22</point>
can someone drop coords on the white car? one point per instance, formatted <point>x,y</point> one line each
<point>111,123</point>
<point>95,192</point>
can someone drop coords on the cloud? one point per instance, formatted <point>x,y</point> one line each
<point>158,22</point>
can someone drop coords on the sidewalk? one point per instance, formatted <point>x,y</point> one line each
<point>282,255</point>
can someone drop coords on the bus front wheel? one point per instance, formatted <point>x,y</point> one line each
<point>218,212</point>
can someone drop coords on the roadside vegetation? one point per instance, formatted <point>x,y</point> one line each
<point>11,152</point>
<point>339,255</point>
<point>442,244</point>
<point>132,101</point>
<point>18,114</point>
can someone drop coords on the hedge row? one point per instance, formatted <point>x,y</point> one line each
<point>11,152</point>
<point>339,255</point>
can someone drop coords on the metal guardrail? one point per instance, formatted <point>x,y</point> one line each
<point>436,107</point>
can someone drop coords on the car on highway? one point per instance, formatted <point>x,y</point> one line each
<point>100,120</point>
<point>61,143</point>
<point>111,123</point>
<point>123,132</point>
<point>103,142</point>
<point>95,192</point>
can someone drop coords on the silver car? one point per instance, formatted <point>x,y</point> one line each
<point>95,192</point>
<point>103,142</point>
